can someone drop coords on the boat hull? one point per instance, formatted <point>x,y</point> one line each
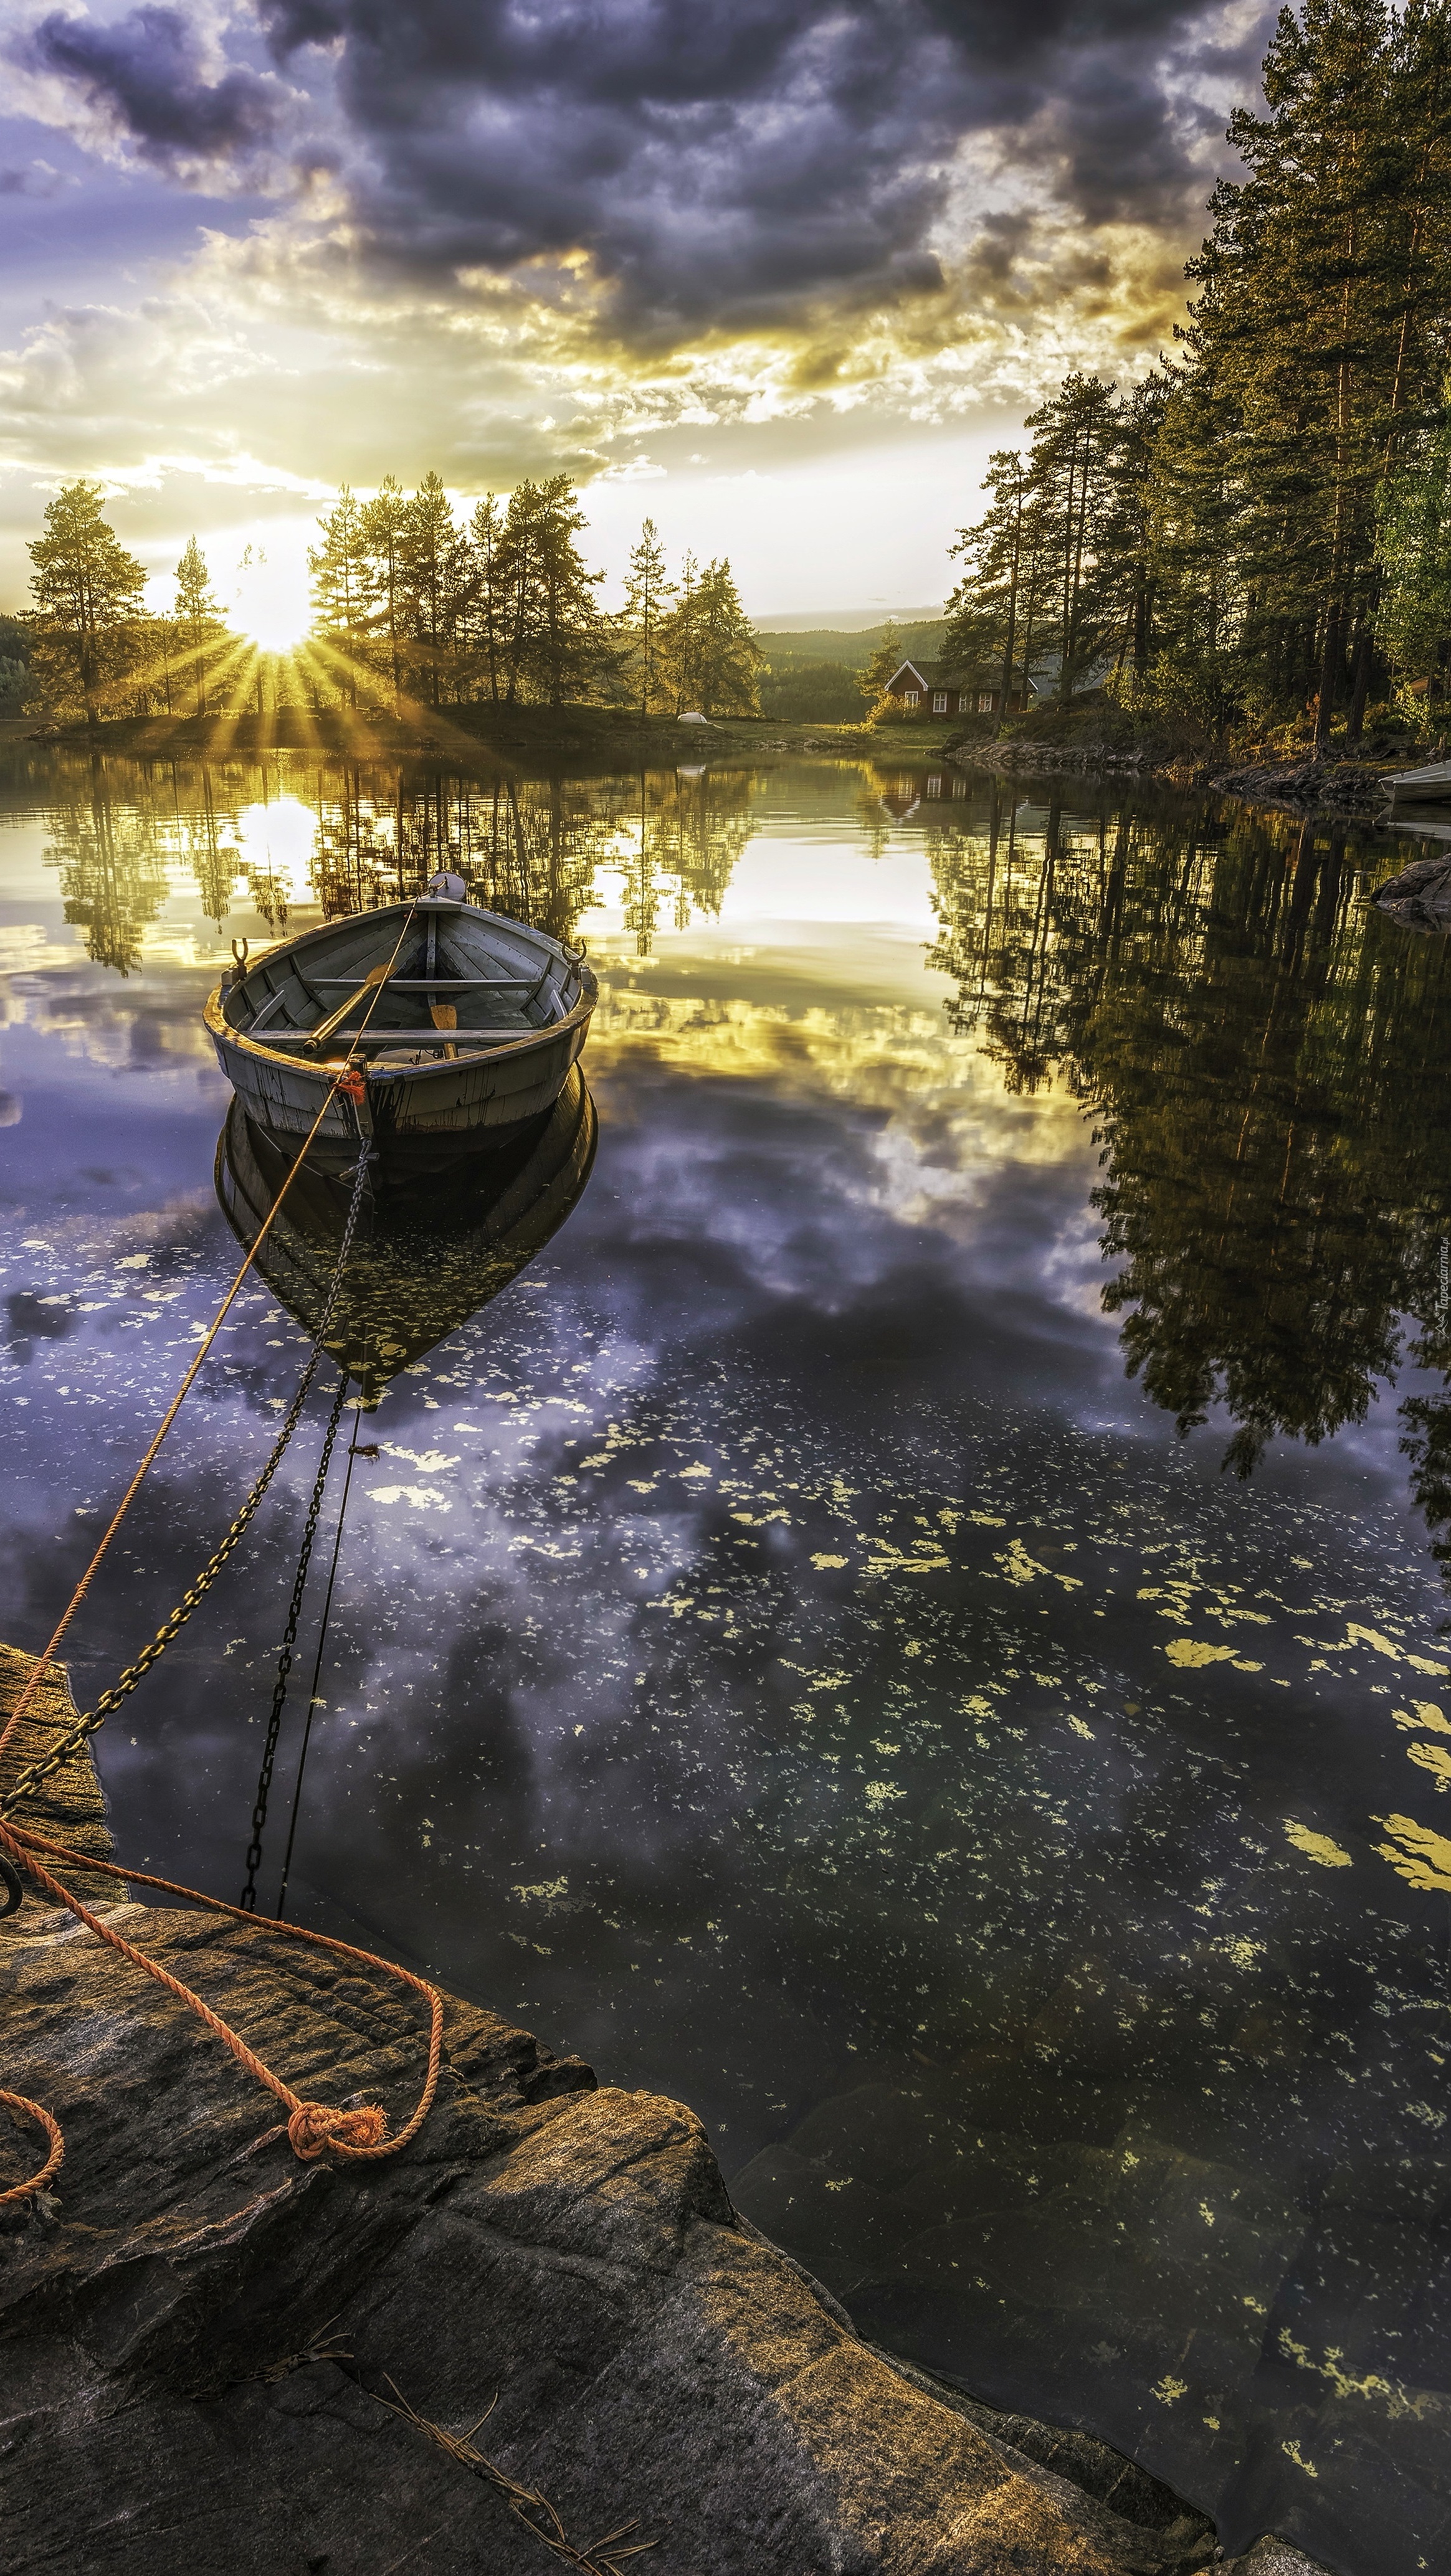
<point>418,1121</point>
<point>423,1107</point>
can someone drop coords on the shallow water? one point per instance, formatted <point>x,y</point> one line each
<point>779,1652</point>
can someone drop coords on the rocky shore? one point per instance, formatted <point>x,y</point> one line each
<point>218,2358</point>
<point>1347,791</point>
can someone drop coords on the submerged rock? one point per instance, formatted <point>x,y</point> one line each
<point>1420,896</point>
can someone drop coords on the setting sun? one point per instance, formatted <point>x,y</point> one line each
<point>271,604</point>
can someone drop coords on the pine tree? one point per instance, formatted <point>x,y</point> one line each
<point>567,649</point>
<point>882,665</point>
<point>728,658</point>
<point>198,617</point>
<point>999,621</point>
<point>385,522</point>
<point>87,592</point>
<point>435,570</point>
<point>487,604</point>
<point>344,589</point>
<point>680,642</point>
<point>648,594</point>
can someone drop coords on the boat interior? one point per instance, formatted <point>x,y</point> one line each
<point>464,980</point>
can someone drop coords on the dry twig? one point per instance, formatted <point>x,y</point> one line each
<point>602,2558</point>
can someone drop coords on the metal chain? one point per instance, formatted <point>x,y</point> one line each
<point>248,1897</point>
<point>66,1745</point>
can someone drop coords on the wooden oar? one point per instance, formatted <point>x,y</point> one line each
<point>444,1015</point>
<point>335,1019</point>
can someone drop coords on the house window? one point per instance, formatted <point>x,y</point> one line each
<point>912,697</point>
<point>984,702</point>
<point>934,785</point>
<point>959,784</point>
<point>939,702</point>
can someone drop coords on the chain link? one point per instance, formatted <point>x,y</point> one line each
<point>66,1745</point>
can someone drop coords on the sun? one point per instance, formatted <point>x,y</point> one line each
<point>270,602</point>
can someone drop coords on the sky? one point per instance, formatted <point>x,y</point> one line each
<point>779,275</point>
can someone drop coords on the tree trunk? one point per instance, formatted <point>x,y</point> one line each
<point>1359,678</point>
<point>1329,673</point>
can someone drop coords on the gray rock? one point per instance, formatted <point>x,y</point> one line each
<point>1420,896</point>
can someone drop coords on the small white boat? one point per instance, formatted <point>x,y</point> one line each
<point>1428,786</point>
<point>453,1042</point>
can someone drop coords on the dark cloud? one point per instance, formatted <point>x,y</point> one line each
<point>146,74</point>
<point>717,161</point>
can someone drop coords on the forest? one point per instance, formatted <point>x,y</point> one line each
<point>1253,541</point>
<point>410,604</point>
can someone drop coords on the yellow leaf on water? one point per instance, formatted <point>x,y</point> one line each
<point>1435,1759</point>
<point>1424,1859</point>
<point>1188,1652</point>
<point>1317,1846</point>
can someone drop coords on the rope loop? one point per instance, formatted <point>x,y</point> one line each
<point>10,1881</point>
<point>38,2181</point>
<point>314,2128</point>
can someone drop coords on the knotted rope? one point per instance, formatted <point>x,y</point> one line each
<point>350,1084</point>
<point>38,2181</point>
<point>313,2128</point>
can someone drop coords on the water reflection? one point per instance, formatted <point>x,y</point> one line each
<point>776,1651</point>
<point>1266,1060</point>
<point>120,832</point>
<point>424,1260</point>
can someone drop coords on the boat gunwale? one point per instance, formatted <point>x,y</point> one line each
<point>515,1043</point>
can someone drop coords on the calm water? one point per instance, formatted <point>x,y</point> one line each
<point>911,1623</point>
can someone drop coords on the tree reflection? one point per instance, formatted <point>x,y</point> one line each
<point>113,876</point>
<point>690,827</point>
<point>1266,1058</point>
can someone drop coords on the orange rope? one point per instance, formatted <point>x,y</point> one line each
<point>341,1082</point>
<point>38,2181</point>
<point>312,2127</point>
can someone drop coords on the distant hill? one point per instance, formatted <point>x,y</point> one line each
<point>844,621</point>
<point>853,645</point>
<point>811,672</point>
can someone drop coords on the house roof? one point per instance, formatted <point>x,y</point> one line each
<point>932,675</point>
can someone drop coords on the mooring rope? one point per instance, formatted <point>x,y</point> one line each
<point>343,1081</point>
<point>313,2128</point>
<point>75,1735</point>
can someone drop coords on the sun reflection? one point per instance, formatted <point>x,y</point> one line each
<point>278,842</point>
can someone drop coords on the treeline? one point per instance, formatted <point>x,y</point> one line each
<point>410,604</point>
<point>1258,535</point>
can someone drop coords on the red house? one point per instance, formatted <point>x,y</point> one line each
<point>937,689</point>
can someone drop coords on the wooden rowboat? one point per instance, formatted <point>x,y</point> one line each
<point>458,1040</point>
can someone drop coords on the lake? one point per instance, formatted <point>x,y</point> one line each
<point>915,1621</point>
